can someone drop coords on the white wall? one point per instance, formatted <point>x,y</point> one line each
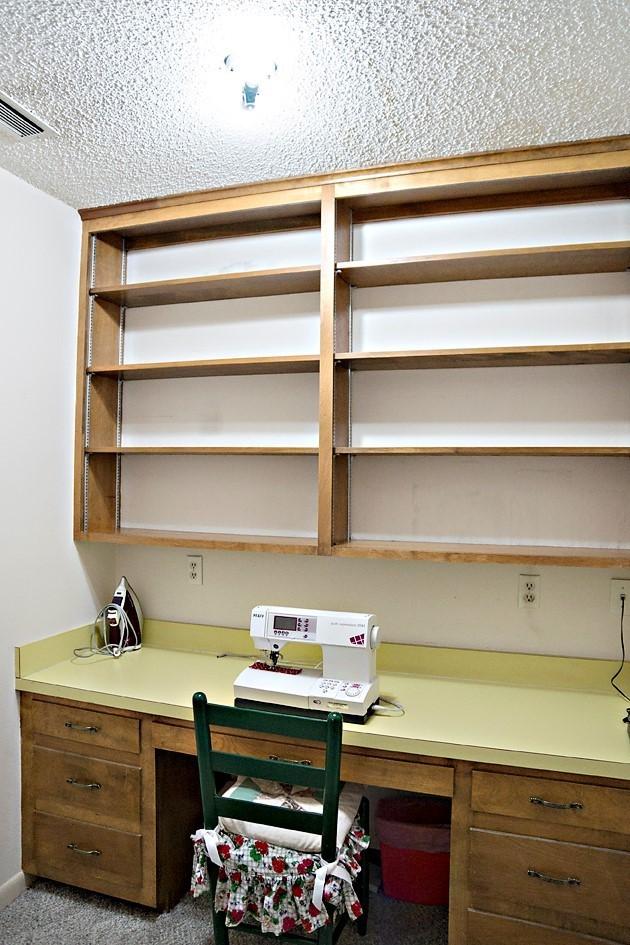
<point>465,605</point>
<point>46,583</point>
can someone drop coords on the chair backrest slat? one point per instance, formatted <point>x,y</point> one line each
<point>326,730</point>
<point>272,723</point>
<point>284,771</point>
<point>304,821</point>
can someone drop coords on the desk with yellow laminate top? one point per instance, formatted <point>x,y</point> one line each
<point>531,749</point>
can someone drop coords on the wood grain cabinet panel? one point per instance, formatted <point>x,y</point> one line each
<point>84,788</point>
<point>87,855</point>
<point>529,873</point>
<point>486,929</point>
<point>359,769</point>
<point>554,802</point>
<point>86,726</point>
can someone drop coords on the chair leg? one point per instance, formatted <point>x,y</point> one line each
<point>363,879</point>
<point>325,935</point>
<point>221,934</point>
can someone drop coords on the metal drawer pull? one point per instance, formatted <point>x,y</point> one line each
<point>570,881</point>
<point>93,786</point>
<point>291,761</point>
<point>574,805</point>
<point>76,849</point>
<point>81,728</point>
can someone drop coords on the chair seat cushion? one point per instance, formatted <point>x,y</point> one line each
<point>263,884</point>
<point>293,798</point>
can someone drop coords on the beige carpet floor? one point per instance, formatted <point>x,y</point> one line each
<point>52,914</point>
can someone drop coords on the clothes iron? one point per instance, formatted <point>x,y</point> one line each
<point>124,620</point>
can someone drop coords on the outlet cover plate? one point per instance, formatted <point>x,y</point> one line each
<point>529,591</point>
<point>619,586</point>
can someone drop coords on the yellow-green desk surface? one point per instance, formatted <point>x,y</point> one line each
<point>550,713</point>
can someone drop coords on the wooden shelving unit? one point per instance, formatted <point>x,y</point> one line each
<point>539,177</point>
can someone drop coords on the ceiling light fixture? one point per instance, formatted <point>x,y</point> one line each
<point>253,69</point>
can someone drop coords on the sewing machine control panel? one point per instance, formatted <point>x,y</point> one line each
<point>341,688</point>
<point>292,627</point>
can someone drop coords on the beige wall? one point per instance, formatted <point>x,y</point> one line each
<point>467,605</point>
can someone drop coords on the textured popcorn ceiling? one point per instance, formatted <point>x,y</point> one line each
<point>143,108</point>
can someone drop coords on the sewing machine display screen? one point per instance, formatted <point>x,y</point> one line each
<point>284,623</point>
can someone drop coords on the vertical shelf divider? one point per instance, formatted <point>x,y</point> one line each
<point>99,396</point>
<point>334,381</point>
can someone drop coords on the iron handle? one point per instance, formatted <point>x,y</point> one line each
<point>93,786</point>
<point>573,805</point>
<point>569,881</point>
<point>291,761</point>
<point>81,728</point>
<point>76,849</point>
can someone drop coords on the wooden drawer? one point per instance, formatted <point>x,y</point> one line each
<point>378,772</point>
<point>500,867</point>
<point>486,929</point>
<point>114,866</point>
<point>579,805</point>
<point>84,788</point>
<point>87,726</point>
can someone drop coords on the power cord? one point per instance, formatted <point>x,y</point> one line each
<point>623,653</point>
<point>388,706</point>
<point>127,634</point>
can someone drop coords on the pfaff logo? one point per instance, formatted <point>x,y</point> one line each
<point>359,640</point>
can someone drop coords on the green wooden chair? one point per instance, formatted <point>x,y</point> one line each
<point>212,762</point>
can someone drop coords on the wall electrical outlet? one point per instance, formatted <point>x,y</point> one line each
<point>195,569</point>
<point>529,591</point>
<point>619,586</point>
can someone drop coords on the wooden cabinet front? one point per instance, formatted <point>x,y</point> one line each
<point>86,788</point>
<point>531,873</point>
<point>552,802</point>
<point>86,855</point>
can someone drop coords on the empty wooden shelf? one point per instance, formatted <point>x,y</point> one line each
<point>218,541</point>
<point>490,264</point>
<point>483,553</point>
<point>520,356</point>
<point>204,450</point>
<point>231,285</point>
<point>483,450</point>
<point>219,367</point>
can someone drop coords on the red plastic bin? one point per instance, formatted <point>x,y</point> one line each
<point>415,835</point>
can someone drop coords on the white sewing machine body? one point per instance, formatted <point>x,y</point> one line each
<point>348,682</point>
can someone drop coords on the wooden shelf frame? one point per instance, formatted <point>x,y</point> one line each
<point>560,174</point>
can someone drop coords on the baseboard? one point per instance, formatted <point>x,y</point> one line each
<point>12,889</point>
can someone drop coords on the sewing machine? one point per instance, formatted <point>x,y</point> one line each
<point>347,683</point>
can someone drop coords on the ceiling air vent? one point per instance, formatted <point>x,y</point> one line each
<point>16,123</point>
